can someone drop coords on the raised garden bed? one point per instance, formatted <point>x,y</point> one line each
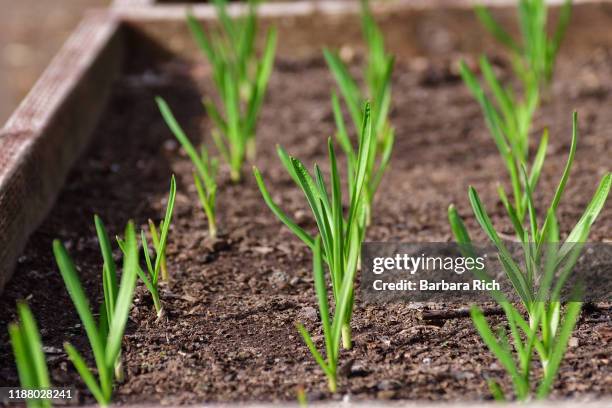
<point>231,304</point>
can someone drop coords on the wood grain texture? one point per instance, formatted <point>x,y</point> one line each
<point>204,9</point>
<point>49,129</point>
<point>132,3</point>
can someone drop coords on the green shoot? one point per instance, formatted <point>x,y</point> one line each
<point>153,230</point>
<point>151,277</point>
<point>160,242</point>
<point>205,176</point>
<point>241,79</point>
<point>534,56</point>
<point>546,330</point>
<point>509,124</point>
<point>378,80</point>
<point>29,355</point>
<point>341,237</point>
<point>521,372</point>
<point>332,330</point>
<point>207,190</point>
<point>508,115</point>
<point>106,334</point>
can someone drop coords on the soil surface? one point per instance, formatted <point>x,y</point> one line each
<point>231,305</point>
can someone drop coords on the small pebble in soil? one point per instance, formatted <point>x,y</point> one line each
<point>388,385</point>
<point>308,313</point>
<point>359,370</point>
<point>278,278</point>
<point>463,375</point>
<point>243,355</point>
<point>262,250</point>
<point>52,350</point>
<point>384,342</point>
<point>170,145</point>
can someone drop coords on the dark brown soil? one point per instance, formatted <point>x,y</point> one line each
<point>229,331</point>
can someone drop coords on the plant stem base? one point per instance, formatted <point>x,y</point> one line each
<point>346,337</point>
<point>331,382</point>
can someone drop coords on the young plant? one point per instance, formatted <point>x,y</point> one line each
<point>509,121</point>
<point>205,176</point>
<point>533,58</point>
<point>29,355</point>
<point>546,330</point>
<point>106,334</point>
<point>160,241</point>
<point>151,277</point>
<point>341,237</point>
<point>378,80</point>
<point>241,80</point>
<point>332,330</point>
<point>509,115</point>
<point>154,231</point>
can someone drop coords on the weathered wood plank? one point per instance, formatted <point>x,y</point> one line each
<point>49,129</point>
<point>133,3</point>
<point>204,10</point>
